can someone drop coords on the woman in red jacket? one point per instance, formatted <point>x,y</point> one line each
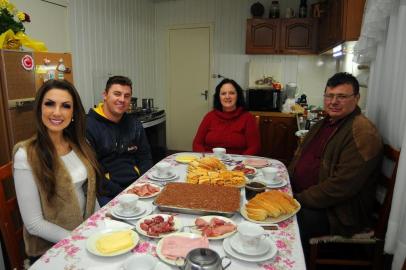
<point>228,125</point>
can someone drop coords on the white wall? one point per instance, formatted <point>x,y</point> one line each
<point>49,22</point>
<point>112,37</point>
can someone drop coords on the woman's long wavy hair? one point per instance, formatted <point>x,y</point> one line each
<point>75,133</point>
<point>240,96</point>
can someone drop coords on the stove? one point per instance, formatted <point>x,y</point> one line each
<point>154,123</point>
<point>147,115</point>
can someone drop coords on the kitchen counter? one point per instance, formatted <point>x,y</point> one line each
<point>273,114</point>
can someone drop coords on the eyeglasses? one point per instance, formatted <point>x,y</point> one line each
<point>340,97</point>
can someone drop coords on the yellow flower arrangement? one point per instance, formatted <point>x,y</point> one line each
<point>11,18</point>
<point>12,30</point>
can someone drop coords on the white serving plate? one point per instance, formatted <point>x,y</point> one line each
<point>208,218</point>
<point>179,262</point>
<point>270,220</point>
<point>177,225</point>
<point>91,242</point>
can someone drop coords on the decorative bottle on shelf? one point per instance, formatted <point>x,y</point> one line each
<point>257,10</point>
<point>303,9</point>
<point>274,12</point>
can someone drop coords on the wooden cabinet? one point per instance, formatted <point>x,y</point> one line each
<point>340,21</point>
<point>298,36</point>
<point>281,36</point>
<point>262,36</point>
<point>278,138</point>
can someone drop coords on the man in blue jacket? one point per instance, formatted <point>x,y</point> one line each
<point>118,139</point>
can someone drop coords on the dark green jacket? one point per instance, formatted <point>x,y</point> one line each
<point>349,168</point>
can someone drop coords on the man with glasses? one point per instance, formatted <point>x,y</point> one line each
<point>334,170</point>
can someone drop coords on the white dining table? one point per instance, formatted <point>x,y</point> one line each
<point>71,253</point>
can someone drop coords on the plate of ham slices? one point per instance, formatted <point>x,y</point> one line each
<point>145,190</point>
<point>214,227</point>
<point>256,162</point>
<point>173,248</point>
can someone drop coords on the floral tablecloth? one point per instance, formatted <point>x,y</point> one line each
<point>71,254</point>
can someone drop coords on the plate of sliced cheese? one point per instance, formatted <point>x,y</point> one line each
<point>270,207</point>
<point>186,158</point>
<point>112,242</point>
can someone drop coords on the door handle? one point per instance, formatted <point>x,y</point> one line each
<point>205,93</point>
<point>21,103</point>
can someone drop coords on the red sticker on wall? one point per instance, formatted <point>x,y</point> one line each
<point>27,62</point>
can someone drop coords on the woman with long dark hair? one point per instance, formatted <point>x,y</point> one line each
<point>55,170</point>
<point>228,125</point>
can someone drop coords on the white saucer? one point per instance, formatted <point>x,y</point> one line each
<point>147,209</point>
<point>144,261</point>
<point>91,242</point>
<point>158,176</point>
<point>258,258</point>
<point>262,248</point>
<point>119,212</point>
<point>282,183</point>
<point>226,157</point>
<point>151,176</point>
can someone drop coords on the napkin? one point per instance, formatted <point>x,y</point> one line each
<point>115,224</point>
<point>114,241</point>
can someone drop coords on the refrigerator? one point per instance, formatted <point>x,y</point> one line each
<point>21,74</point>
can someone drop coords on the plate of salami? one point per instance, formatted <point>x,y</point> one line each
<point>158,225</point>
<point>247,170</point>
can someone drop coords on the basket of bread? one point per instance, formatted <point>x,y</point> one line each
<point>270,207</point>
<point>210,170</point>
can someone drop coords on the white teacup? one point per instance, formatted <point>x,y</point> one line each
<point>128,202</point>
<point>219,152</point>
<point>269,174</point>
<point>163,169</point>
<point>250,235</point>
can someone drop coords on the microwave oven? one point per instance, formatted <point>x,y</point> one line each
<point>263,100</point>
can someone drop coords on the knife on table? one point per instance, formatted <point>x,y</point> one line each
<point>270,227</point>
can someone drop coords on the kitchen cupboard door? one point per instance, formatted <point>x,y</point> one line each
<point>298,36</point>
<point>340,21</point>
<point>262,36</point>
<point>278,139</point>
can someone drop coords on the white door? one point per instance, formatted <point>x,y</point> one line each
<point>189,80</point>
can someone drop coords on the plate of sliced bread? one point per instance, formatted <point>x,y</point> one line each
<point>270,207</point>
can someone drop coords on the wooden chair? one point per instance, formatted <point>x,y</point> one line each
<point>373,238</point>
<point>11,224</point>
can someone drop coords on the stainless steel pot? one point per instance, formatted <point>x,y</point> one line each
<point>133,104</point>
<point>150,103</point>
<point>147,103</point>
<point>204,259</point>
